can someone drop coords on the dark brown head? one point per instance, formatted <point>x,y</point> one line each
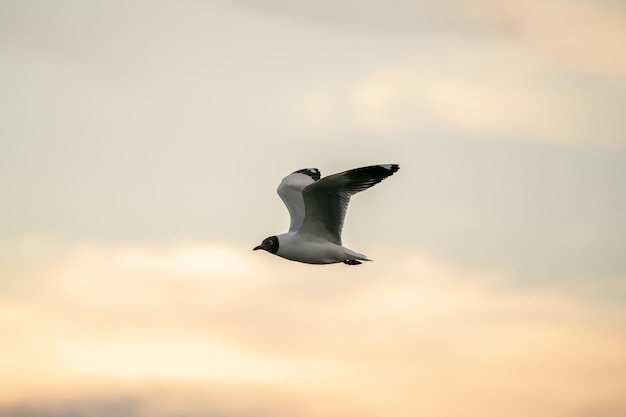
<point>269,244</point>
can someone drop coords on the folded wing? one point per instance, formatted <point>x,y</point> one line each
<point>326,200</point>
<point>290,191</point>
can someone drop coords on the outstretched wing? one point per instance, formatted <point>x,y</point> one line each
<point>290,191</point>
<point>326,200</point>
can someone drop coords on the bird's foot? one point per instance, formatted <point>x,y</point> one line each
<point>352,262</point>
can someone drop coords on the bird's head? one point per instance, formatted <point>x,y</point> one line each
<point>269,244</point>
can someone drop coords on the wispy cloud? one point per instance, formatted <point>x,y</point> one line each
<point>399,337</point>
<point>491,90</point>
<point>161,120</point>
<point>542,70</point>
<point>586,34</point>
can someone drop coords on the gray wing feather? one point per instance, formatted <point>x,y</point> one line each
<point>326,201</point>
<point>290,191</point>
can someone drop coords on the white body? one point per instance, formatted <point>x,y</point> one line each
<point>313,250</point>
<point>317,208</point>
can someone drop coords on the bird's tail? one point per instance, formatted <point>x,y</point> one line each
<point>354,256</point>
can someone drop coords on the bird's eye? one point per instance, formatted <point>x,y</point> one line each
<point>270,242</point>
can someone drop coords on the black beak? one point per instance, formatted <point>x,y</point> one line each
<point>258,247</point>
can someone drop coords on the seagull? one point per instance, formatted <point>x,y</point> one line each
<point>317,208</point>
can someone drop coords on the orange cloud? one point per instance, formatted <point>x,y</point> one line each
<point>489,90</point>
<point>193,328</point>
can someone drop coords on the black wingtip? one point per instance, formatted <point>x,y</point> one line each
<point>392,167</point>
<point>388,170</point>
<point>360,179</point>
<point>314,173</point>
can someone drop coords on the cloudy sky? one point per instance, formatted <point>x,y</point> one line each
<point>140,147</point>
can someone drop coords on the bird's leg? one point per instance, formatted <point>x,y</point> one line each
<point>352,262</point>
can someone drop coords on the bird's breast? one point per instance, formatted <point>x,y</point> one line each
<point>312,251</point>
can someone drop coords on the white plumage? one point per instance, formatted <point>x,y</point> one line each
<point>317,208</point>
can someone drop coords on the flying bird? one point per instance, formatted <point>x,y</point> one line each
<point>317,208</point>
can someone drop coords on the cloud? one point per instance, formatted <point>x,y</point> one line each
<point>550,71</point>
<point>158,324</point>
<point>490,91</point>
<point>587,34</point>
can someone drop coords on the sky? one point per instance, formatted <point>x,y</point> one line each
<point>141,144</point>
